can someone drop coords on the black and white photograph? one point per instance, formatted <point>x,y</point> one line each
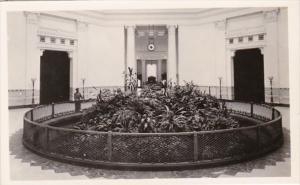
<point>95,91</point>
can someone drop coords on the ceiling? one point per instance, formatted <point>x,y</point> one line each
<point>151,11</point>
<point>153,16</point>
<point>148,13</point>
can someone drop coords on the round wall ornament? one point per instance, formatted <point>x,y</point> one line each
<point>151,47</point>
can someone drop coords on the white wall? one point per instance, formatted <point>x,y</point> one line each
<point>16,50</point>
<point>57,23</point>
<point>105,65</point>
<point>198,54</point>
<point>276,49</point>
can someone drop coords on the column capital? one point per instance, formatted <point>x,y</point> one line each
<point>271,16</point>
<point>232,53</point>
<point>70,54</point>
<point>261,50</point>
<point>172,26</point>
<point>132,26</point>
<point>32,18</point>
<point>41,52</point>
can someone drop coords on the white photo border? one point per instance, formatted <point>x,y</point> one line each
<point>294,79</point>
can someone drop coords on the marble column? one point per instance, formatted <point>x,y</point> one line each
<point>73,73</point>
<point>144,75</point>
<point>171,62</point>
<point>130,57</point>
<point>159,70</point>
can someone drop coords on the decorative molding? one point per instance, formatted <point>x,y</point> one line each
<point>56,33</point>
<point>232,53</point>
<point>155,33</point>
<point>262,50</point>
<point>245,43</point>
<point>140,33</point>
<point>162,16</point>
<point>220,25</point>
<point>82,26</point>
<point>71,54</point>
<point>41,52</point>
<point>32,18</point>
<point>271,16</point>
<point>247,46</point>
<point>57,46</point>
<point>246,32</point>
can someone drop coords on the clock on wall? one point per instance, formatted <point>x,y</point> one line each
<point>151,47</point>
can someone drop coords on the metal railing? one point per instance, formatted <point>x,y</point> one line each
<point>152,150</point>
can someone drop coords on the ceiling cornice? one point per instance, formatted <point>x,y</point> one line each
<point>144,17</point>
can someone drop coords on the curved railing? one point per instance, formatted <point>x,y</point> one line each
<point>152,150</point>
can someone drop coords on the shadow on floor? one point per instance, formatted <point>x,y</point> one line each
<point>20,152</point>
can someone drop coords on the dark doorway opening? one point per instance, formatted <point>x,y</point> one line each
<point>54,77</point>
<point>249,76</point>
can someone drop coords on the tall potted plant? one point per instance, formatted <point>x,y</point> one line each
<point>131,81</point>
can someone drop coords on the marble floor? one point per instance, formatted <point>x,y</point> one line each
<point>25,165</point>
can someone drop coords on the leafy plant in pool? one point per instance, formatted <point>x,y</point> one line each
<point>182,109</point>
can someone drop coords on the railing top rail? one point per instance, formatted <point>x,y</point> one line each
<point>151,150</point>
<point>152,134</point>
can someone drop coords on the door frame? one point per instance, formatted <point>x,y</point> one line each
<point>155,62</point>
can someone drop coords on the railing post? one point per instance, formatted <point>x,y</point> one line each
<point>251,110</point>
<point>46,138</point>
<point>52,110</point>
<point>195,146</point>
<point>31,115</point>
<point>258,138</point>
<point>273,113</point>
<point>109,145</point>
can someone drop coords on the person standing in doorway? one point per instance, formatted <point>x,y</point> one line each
<point>77,98</point>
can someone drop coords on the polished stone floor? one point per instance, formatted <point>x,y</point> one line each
<point>25,165</point>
